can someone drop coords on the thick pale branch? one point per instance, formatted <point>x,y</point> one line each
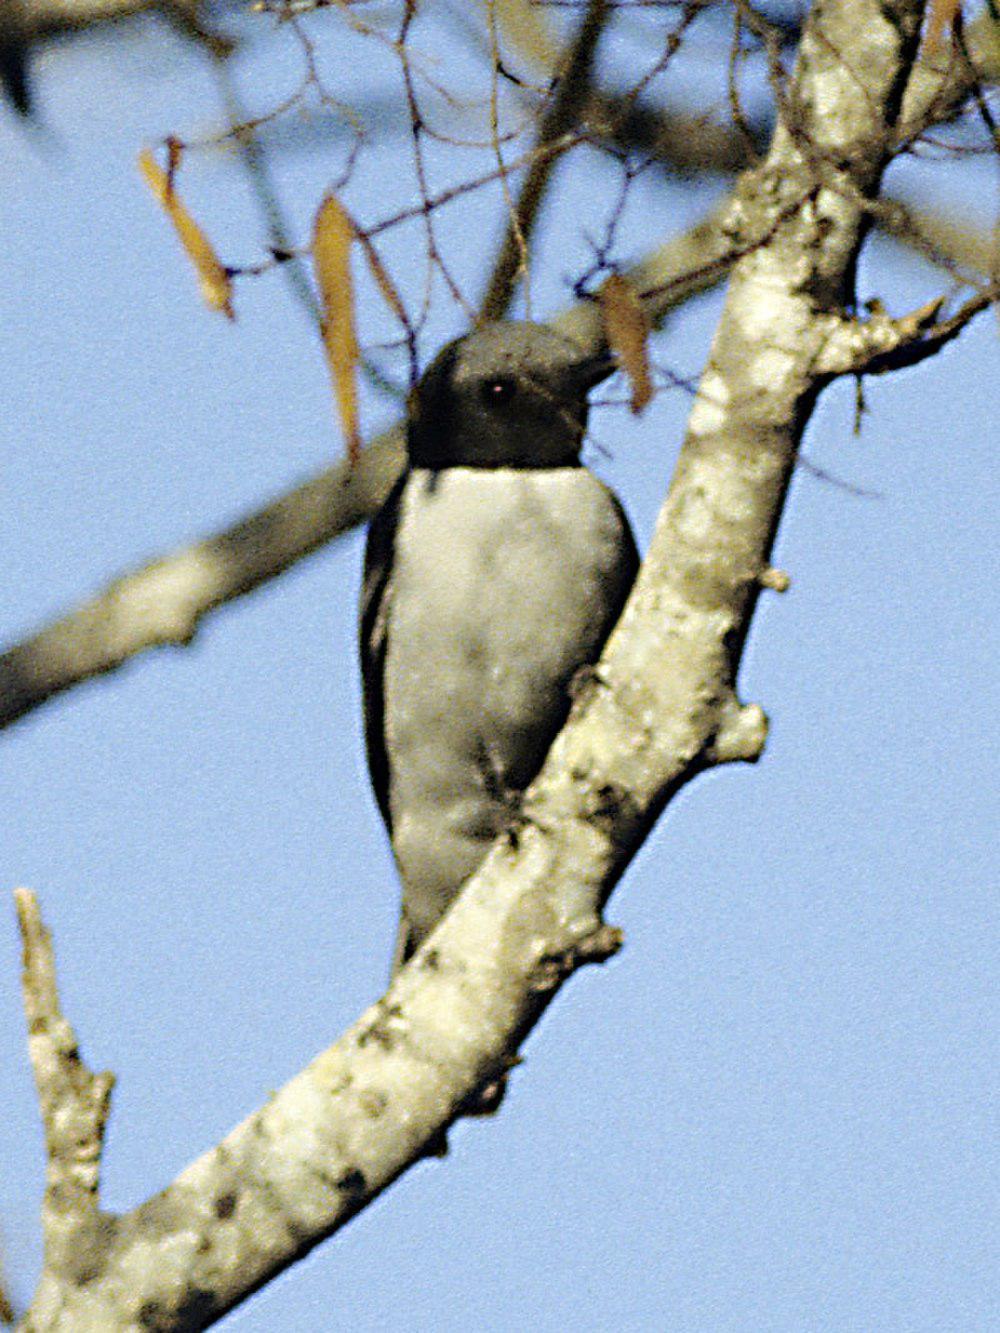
<point>852,344</point>
<point>25,24</point>
<point>935,337</point>
<point>45,18</point>
<point>659,708</point>
<point>163,602</point>
<point>954,243</point>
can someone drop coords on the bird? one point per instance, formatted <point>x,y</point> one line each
<point>493,573</point>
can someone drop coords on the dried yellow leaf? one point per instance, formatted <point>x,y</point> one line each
<point>333,233</point>
<point>626,329</point>
<point>213,280</point>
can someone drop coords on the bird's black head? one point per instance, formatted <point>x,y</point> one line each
<point>507,395</point>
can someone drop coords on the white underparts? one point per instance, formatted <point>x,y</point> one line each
<point>504,583</point>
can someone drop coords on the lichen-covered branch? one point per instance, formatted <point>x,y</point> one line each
<point>660,707</point>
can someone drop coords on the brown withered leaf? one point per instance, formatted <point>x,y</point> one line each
<point>626,329</point>
<point>213,281</point>
<point>382,279</point>
<point>333,233</point>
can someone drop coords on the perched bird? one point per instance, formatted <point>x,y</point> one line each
<point>494,572</point>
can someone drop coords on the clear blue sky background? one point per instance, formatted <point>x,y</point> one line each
<point>776,1110</point>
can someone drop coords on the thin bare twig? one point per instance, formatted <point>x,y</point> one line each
<point>562,115</point>
<point>434,256</point>
<point>255,162</point>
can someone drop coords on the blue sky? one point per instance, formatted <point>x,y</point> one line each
<point>776,1109</point>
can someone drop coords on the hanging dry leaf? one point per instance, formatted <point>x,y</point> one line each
<point>213,280</point>
<point>333,233</point>
<point>626,329</point>
<point>382,279</point>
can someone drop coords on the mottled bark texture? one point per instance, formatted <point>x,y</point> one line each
<point>660,707</point>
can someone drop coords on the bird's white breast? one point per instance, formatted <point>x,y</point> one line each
<point>500,587</point>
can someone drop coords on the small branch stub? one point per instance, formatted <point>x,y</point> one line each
<point>775,579</point>
<point>596,947</point>
<point>742,734</point>
<point>74,1102</point>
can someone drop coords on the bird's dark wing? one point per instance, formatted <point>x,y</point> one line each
<point>376,593</point>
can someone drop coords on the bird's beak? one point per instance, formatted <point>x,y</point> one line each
<point>584,375</point>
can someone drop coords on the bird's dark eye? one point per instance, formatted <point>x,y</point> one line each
<point>499,391</point>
